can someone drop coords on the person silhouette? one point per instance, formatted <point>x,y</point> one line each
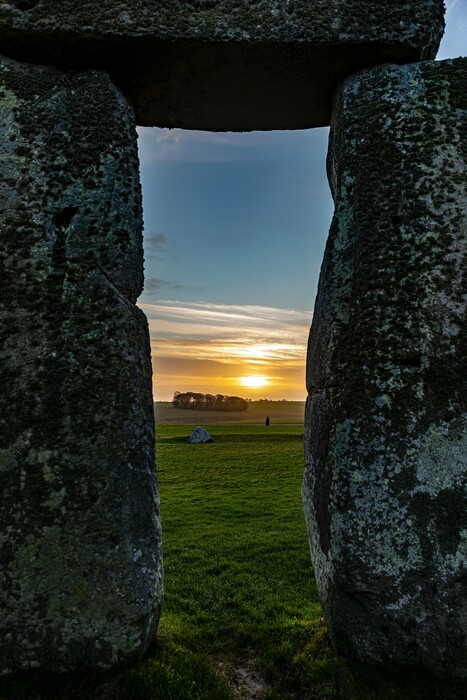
<point>267,420</point>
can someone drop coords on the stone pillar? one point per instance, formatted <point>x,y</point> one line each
<point>80,557</point>
<point>386,420</point>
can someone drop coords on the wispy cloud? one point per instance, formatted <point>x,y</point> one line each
<point>181,146</point>
<point>154,285</point>
<point>155,241</point>
<point>184,146</point>
<point>450,5</point>
<point>156,246</point>
<point>245,351</point>
<point>242,323</point>
<point>210,346</point>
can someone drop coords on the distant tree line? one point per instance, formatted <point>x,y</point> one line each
<point>208,402</point>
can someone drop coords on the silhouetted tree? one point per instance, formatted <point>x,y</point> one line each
<point>235,403</point>
<point>208,402</point>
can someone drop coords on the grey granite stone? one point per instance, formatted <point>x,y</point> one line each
<point>224,64</point>
<point>199,434</point>
<point>80,559</point>
<point>386,420</point>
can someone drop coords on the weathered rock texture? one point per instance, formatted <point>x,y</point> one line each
<point>199,434</point>
<point>224,64</point>
<point>80,561</point>
<point>386,421</point>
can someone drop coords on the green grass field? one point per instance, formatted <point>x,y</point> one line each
<point>241,615</point>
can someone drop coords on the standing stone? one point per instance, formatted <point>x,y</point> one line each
<point>386,420</point>
<point>80,559</point>
<point>224,64</point>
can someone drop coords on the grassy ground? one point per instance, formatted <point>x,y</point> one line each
<point>280,413</point>
<point>241,604</point>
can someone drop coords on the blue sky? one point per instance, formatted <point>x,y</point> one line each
<point>235,228</point>
<point>238,218</point>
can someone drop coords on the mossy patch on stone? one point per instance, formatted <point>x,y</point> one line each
<point>77,472</point>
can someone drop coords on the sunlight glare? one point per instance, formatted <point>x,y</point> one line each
<point>254,381</point>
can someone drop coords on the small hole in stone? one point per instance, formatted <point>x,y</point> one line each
<point>63,218</point>
<point>396,221</point>
<point>25,5</point>
<point>414,361</point>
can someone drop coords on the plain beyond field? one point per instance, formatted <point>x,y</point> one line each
<point>279,412</point>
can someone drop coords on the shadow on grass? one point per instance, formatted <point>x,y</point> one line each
<point>174,672</point>
<point>168,672</point>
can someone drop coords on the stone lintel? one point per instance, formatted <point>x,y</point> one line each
<point>224,64</point>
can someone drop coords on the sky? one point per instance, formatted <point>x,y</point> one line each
<point>234,232</point>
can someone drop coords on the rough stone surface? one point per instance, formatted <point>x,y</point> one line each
<point>80,560</point>
<point>199,434</point>
<point>386,420</point>
<point>224,64</point>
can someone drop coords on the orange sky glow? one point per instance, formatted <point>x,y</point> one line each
<point>249,351</point>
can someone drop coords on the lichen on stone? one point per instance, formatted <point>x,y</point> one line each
<point>77,472</point>
<point>227,65</point>
<point>386,427</point>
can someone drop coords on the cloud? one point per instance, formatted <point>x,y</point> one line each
<point>155,241</point>
<point>255,354</point>
<point>207,347</point>
<point>155,246</point>
<point>153,285</point>
<point>450,5</point>
<point>184,146</point>
<point>206,319</point>
<point>224,313</point>
<point>228,341</point>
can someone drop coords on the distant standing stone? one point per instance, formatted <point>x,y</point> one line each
<point>199,434</point>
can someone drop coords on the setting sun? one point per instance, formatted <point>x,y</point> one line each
<point>228,349</point>
<point>254,381</point>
